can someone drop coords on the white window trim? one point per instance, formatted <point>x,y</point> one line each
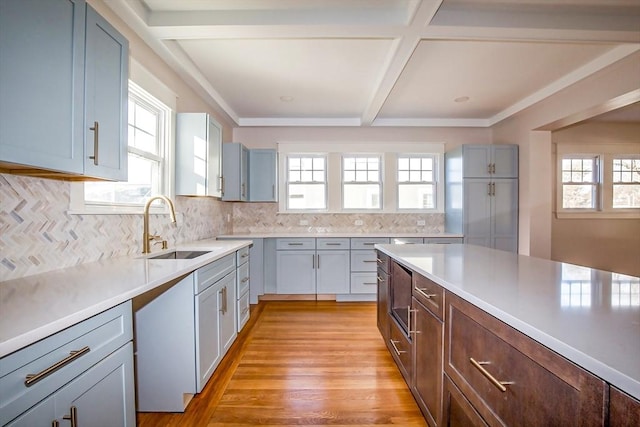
<point>439,195</point>
<point>153,86</point>
<point>389,152</point>
<point>380,182</point>
<point>605,153</point>
<point>285,188</point>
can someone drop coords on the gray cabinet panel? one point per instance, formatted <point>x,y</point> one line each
<point>333,272</point>
<point>235,172</point>
<point>295,272</point>
<point>263,175</point>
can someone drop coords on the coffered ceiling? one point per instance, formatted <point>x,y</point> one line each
<point>383,62</point>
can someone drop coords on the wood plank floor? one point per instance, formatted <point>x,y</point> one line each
<point>303,363</point>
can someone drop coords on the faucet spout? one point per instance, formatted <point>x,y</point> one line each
<point>146,238</point>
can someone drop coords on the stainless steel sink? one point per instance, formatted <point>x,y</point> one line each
<point>180,255</point>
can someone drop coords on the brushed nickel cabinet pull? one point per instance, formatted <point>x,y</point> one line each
<point>245,280</point>
<point>73,416</point>
<point>294,243</point>
<point>422,292</point>
<point>493,188</point>
<point>393,344</point>
<point>318,261</point>
<point>369,283</point>
<point>333,244</point>
<point>96,142</point>
<point>369,260</point>
<point>222,185</point>
<point>489,189</point>
<point>369,243</point>
<point>55,423</point>
<point>378,260</point>
<point>500,385</point>
<point>31,379</point>
<point>489,168</point>
<point>493,168</point>
<point>409,331</point>
<point>380,279</point>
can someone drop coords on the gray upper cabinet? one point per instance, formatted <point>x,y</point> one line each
<point>482,195</point>
<point>106,74</point>
<point>263,175</point>
<point>198,155</point>
<point>235,172</point>
<point>62,68</point>
<point>490,161</point>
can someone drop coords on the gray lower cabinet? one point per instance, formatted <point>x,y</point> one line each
<point>94,384</point>
<point>64,68</point>
<point>183,330</point>
<point>295,272</point>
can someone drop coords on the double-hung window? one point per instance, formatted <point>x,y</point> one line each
<point>580,180</point>
<point>626,182</point>
<point>306,183</point>
<point>416,182</point>
<point>361,182</point>
<point>148,143</point>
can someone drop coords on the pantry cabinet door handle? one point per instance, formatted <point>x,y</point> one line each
<point>96,142</point>
<point>500,385</point>
<point>318,261</point>
<point>31,379</point>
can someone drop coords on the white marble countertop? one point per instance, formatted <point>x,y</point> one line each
<point>34,307</point>
<point>588,316</point>
<point>317,234</point>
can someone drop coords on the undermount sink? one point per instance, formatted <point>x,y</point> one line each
<point>180,255</point>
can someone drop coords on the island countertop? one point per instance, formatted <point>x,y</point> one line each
<point>35,307</point>
<point>589,316</point>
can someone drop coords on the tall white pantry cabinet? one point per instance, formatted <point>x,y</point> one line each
<point>482,195</point>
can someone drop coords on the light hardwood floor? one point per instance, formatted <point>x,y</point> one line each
<point>303,363</point>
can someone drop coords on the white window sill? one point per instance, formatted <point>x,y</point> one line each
<point>105,210</point>
<point>598,215</point>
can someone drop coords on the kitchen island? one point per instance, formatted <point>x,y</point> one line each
<point>589,317</point>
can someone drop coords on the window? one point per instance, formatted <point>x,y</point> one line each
<point>416,182</point>
<point>306,182</point>
<point>148,139</point>
<point>579,182</point>
<point>361,182</point>
<point>626,183</point>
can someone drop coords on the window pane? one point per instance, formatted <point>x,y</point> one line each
<point>318,176</point>
<point>349,176</point>
<point>144,141</point>
<point>143,183</point>
<point>403,176</point>
<point>294,163</point>
<point>146,120</point>
<point>306,163</point>
<point>626,196</point>
<point>403,163</point>
<point>294,176</point>
<point>361,196</point>
<point>306,196</point>
<point>306,176</point>
<point>318,163</point>
<point>578,196</point>
<point>416,196</point>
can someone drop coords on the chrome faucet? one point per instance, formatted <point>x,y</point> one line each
<point>146,237</point>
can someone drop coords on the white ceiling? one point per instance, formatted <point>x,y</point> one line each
<point>382,62</point>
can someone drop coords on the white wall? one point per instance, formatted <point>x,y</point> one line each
<point>525,129</point>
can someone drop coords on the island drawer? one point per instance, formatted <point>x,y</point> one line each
<point>211,273</point>
<point>242,255</point>
<point>400,347</point>
<point>383,261</point>
<point>367,242</point>
<point>295,243</point>
<point>430,294</point>
<point>33,373</point>
<point>511,379</point>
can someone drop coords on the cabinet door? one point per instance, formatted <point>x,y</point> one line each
<point>263,167</point>
<point>624,410</point>
<point>42,414</point>
<point>504,215</point>
<point>235,162</point>
<point>477,212</point>
<point>477,159</point>
<point>458,412</point>
<point>295,272</point>
<point>42,83</point>
<point>383,303</point>
<point>208,343</point>
<point>214,158</point>
<point>428,347</point>
<point>332,272</point>
<point>103,395</point>
<point>505,161</point>
<point>227,313</point>
<point>106,80</point>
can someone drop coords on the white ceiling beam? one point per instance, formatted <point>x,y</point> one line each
<point>297,121</point>
<point>398,59</point>
<point>474,123</point>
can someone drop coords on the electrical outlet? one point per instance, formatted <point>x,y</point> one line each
<point>421,222</point>
<point>358,222</point>
<point>304,222</point>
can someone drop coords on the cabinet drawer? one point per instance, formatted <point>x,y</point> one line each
<point>211,273</point>
<point>430,294</point>
<point>243,279</point>
<point>92,339</point>
<point>401,350</point>
<point>244,311</point>
<point>332,243</point>
<point>296,243</point>
<point>443,240</point>
<point>406,240</point>
<point>367,242</point>
<point>242,255</point>
<point>383,261</point>
<point>511,379</point>
<point>364,261</point>
<point>364,283</point>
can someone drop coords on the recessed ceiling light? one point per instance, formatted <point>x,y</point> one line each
<point>462,99</point>
<point>286,98</point>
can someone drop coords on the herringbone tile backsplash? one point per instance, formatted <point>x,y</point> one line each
<point>37,233</point>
